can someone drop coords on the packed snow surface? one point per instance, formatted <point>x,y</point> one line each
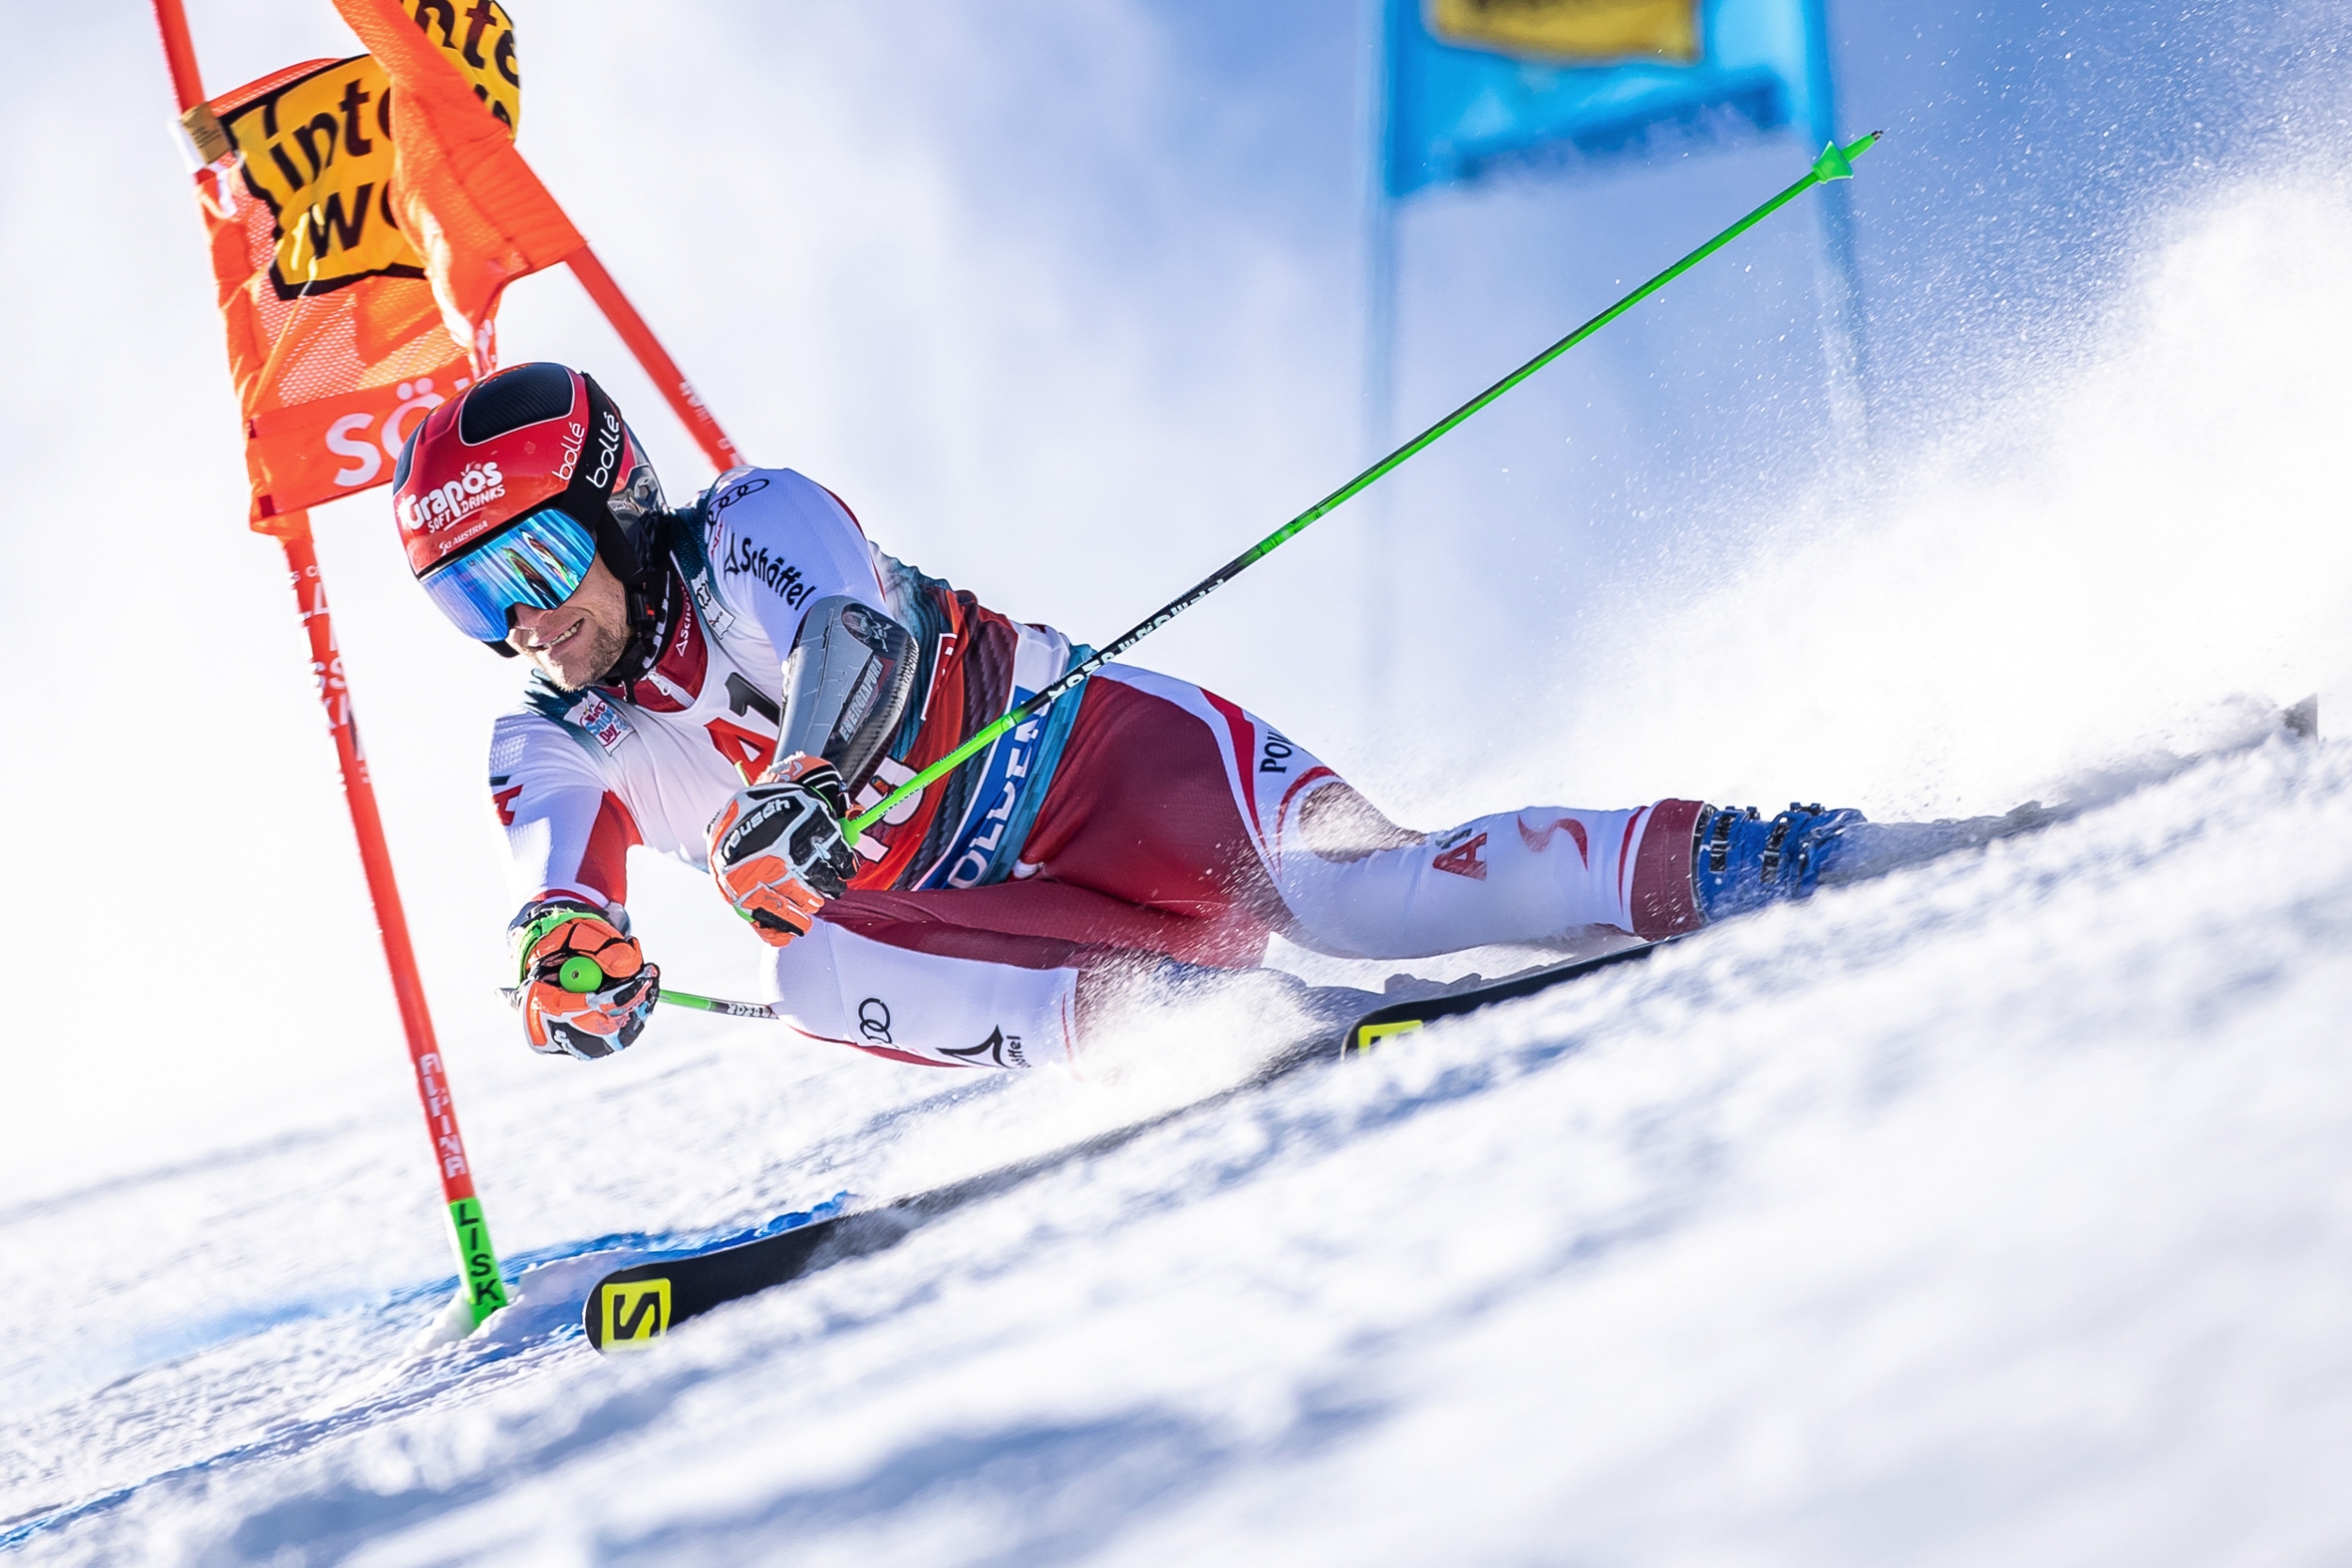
<point>1999,1211</point>
<point>1995,1212</point>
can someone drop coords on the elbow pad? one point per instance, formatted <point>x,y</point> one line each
<point>846,687</point>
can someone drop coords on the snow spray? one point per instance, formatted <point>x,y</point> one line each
<point>1836,163</point>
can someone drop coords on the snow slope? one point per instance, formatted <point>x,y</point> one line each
<point>1998,1211</point>
<point>1995,1212</point>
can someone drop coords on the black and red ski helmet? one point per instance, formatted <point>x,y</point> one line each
<point>523,439</point>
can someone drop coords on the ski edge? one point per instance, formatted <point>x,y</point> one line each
<point>632,1308</point>
<point>1405,1018</point>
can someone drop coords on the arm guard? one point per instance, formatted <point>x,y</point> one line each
<point>846,687</point>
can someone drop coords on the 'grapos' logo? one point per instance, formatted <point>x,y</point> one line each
<point>454,502</point>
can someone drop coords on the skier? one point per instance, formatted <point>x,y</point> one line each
<point>728,683</point>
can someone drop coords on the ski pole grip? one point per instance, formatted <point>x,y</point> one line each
<point>580,975</point>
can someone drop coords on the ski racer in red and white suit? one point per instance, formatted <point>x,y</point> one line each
<point>1141,818</point>
<point>1143,814</point>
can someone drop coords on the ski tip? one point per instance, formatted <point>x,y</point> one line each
<point>1369,1032</point>
<point>1405,1018</point>
<point>2302,719</point>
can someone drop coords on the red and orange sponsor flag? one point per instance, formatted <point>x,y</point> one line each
<point>466,197</point>
<point>337,342</point>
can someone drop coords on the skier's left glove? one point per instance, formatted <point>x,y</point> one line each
<point>582,986</point>
<point>776,848</point>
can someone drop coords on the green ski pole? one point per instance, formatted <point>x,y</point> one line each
<point>580,975</point>
<point>703,1004</point>
<point>1836,163</point>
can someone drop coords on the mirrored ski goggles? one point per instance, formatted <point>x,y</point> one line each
<point>538,561</point>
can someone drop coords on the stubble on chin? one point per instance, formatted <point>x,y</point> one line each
<point>602,648</point>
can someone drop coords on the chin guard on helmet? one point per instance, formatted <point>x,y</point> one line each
<point>847,683</point>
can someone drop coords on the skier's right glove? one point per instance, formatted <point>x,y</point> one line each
<point>776,848</point>
<point>582,984</point>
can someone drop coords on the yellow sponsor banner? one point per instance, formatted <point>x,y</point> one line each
<point>1571,31</point>
<point>318,152</point>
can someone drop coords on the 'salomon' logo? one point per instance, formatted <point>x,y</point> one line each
<point>636,1313</point>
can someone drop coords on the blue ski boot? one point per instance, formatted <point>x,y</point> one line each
<point>1740,862</point>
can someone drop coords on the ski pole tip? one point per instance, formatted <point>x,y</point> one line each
<point>1836,162</point>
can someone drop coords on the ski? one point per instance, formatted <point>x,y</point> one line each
<point>1404,1017</point>
<point>2298,722</point>
<point>637,1305</point>
<point>632,1308</point>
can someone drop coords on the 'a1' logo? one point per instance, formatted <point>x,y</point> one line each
<point>348,437</point>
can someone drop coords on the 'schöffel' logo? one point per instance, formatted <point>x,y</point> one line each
<point>873,1020</point>
<point>371,450</point>
<point>781,576</point>
<point>998,1050</point>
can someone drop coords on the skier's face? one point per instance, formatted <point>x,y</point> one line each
<point>579,639</point>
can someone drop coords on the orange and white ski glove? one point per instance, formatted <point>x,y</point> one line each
<point>582,986</point>
<point>776,848</point>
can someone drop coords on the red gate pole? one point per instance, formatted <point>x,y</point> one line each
<point>479,1287</point>
<point>654,358</point>
<point>478,1281</point>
